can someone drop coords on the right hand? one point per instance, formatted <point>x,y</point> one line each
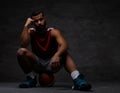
<point>28,22</point>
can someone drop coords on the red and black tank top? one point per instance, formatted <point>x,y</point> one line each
<point>44,46</point>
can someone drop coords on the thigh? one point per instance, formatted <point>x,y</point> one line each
<point>25,55</point>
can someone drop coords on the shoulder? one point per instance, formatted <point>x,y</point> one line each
<point>55,32</point>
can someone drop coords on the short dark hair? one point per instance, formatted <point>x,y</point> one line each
<point>36,12</point>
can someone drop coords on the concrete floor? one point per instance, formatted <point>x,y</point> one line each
<point>12,87</point>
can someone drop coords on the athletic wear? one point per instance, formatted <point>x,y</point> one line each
<point>31,74</point>
<point>81,84</point>
<point>29,82</point>
<point>75,74</point>
<point>44,46</point>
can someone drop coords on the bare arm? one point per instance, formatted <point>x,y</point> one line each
<point>55,60</point>
<point>25,36</point>
<point>61,42</point>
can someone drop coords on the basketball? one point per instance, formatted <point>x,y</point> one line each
<point>46,79</point>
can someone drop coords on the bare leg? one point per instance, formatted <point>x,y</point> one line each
<point>79,82</point>
<point>70,65</point>
<point>26,59</point>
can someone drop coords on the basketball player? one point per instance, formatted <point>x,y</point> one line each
<point>48,52</point>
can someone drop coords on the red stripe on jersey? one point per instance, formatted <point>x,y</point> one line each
<point>43,46</point>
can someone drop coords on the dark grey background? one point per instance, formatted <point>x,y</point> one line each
<point>91,28</point>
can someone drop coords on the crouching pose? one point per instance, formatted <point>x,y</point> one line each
<point>48,53</point>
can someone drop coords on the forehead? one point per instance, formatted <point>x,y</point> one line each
<point>40,15</point>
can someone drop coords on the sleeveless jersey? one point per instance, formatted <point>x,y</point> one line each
<point>44,46</point>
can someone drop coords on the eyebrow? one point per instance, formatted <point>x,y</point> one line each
<point>39,19</point>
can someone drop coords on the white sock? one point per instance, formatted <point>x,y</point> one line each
<point>75,74</point>
<point>32,74</point>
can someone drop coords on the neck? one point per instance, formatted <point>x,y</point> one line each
<point>41,31</point>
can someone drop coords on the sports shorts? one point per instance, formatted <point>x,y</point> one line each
<point>42,65</point>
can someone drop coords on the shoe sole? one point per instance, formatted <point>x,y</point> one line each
<point>82,88</point>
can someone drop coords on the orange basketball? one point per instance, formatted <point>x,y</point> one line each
<point>46,80</point>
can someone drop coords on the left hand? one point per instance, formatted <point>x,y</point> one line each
<point>55,62</point>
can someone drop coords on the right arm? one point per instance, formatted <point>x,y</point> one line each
<point>25,35</point>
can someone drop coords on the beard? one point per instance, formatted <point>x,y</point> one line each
<point>40,29</point>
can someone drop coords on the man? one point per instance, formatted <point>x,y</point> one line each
<point>48,54</point>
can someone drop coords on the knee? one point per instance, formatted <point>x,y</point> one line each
<point>21,51</point>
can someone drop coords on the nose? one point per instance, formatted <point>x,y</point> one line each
<point>39,22</point>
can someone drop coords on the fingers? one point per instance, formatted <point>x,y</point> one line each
<point>55,65</point>
<point>55,62</point>
<point>28,22</point>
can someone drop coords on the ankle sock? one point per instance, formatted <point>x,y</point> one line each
<point>75,74</point>
<point>32,74</point>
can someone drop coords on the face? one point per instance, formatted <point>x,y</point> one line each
<point>39,21</point>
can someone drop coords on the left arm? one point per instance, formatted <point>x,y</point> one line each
<point>55,60</point>
<point>61,42</point>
